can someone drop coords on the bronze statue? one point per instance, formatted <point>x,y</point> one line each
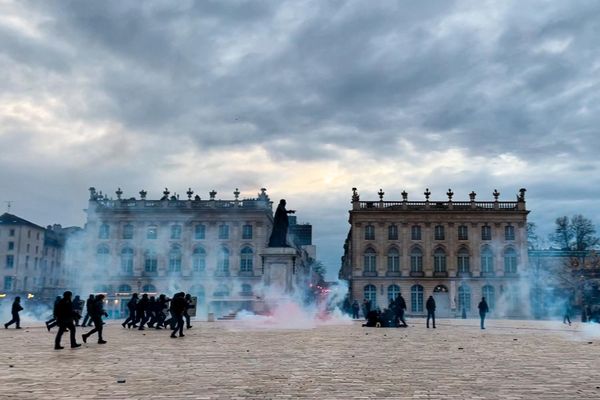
<point>280,226</point>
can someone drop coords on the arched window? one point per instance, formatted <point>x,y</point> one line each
<point>490,296</point>
<point>149,288</point>
<point>246,259</point>
<point>127,261</point>
<point>370,260</point>
<point>416,298</point>
<point>104,231</point>
<point>464,298</point>
<point>175,259</point>
<point>124,288</point>
<point>393,292</point>
<point>393,259</point>
<point>416,260</point>
<point>439,260</point>
<point>198,291</point>
<point>128,231</point>
<point>102,256</point>
<point>487,260</point>
<point>199,260</point>
<point>221,291</point>
<point>463,260</point>
<point>370,292</point>
<point>223,262</point>
<point>150,261</point>
<point>510,261</point>
<point>246,289</point>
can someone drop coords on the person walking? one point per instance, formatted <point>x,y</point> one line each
<point>51,323</point>
<point>89,304</point>
<point>63,312</point>
<point>131,306</point>
<point>567,314</point>
<point>141,311</point>
<point>400,309</point>
<point>483,310</point>
<point>96,314</point>
<point>188,305</point>
<point>430,305</point>
<point>16,309</point>
<point>177,310</point>
<point>355,309</point>
<point>77,308</point>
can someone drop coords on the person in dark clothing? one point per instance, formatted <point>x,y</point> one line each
<point>51,323</point>
<point>567,314</point>
<point>96,314</point>
<point>152,312</point>
<point>131,306</point>
<point>77,308</point>
<point>372,319</point>
<point>366,307</point>
<point>163,308</point>
<point>188,304</point>
<point>483,310</point>
<point>400,309</point>
<point>141,310</point>
<point>430,305</point>
<point>355,309</point>
<point>89,304</point>
<point>16,308</point>
<point>63,312</point>
<point>177,309</point>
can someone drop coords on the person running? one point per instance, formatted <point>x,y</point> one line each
<point>77,308</point>
<point>141,311</point>
<point>188,305</point>
<point>131,306</point>
<point>430,305</point>
<point>96,314</point>
<point>89,304</point>
<point>16,309</point>
<point>400,309</point>
<point>483,310</point>
<point>177,309</point>
<point>51,323</point>
<point>65,316</point>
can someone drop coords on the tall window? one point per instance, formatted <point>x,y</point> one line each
<point>10,261</point>
<point>8,282</point>
<point>102,256</point>
<point>510,261</point>
<point>224,231</point>
<point>199,260</point>
<point>486,232</point>
<point>464,298</point>
<point>370,260</point>
<point>463,232</point>
<point>369,232</point>
<point>416,260</point>
<point>247,231</point>
<point>150,261</point>
<point>11,245</point>
<point>199,232</point>
<point>416,298</point>
<point>246,259</point>
<point>127,260</point>
<point>393,232</point>
<point>438,232</point>
<point>128,231</point>
<point>11,232</point>
<point>393,259</point>
<point>487,260</point>
<point>490,297</point>
<point>152,232</point>
<point>223,262</point>
<point>509,232</point>
<point>104,231</point>
<point>176,232</point>
<point>370,292</point>
<point>393,292</point>
<point>439,260</point>
<point>463,260</point>
<point>175,259</point>
<point>415,232</point>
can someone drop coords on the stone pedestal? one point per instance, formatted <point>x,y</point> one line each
<point>279,268</point>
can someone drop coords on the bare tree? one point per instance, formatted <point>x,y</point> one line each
<point>533,240</point>
<point>562,235</point>
<point>578,233</point>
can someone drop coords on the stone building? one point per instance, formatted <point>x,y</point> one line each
<point>32,257</point>
<point>457,251</point>
<point>208,247</point>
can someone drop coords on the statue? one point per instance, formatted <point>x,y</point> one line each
<point>280,226</point>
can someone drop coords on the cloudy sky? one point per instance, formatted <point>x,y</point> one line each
<point>305,98</point>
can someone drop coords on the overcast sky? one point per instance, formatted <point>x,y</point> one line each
<point>305,98</point>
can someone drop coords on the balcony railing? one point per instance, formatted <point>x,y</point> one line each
<point>422,205</point>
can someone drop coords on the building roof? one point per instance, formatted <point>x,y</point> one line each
<point>10,219</point>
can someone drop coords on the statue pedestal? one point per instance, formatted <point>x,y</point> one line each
<point>279,268</point>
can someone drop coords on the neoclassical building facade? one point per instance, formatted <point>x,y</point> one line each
<point>457,251</point>
<point>208,247</point>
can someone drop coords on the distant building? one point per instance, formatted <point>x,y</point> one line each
<point>210,248</point>
<point>457,251</point>
<point>32,257</point>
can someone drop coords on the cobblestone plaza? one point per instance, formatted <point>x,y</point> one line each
<point>509,360</point>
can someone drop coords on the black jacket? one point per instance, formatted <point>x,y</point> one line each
<point>16,307</point>
<point>430,305</point>
<point>63,311</point>
<point>483,307</point>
